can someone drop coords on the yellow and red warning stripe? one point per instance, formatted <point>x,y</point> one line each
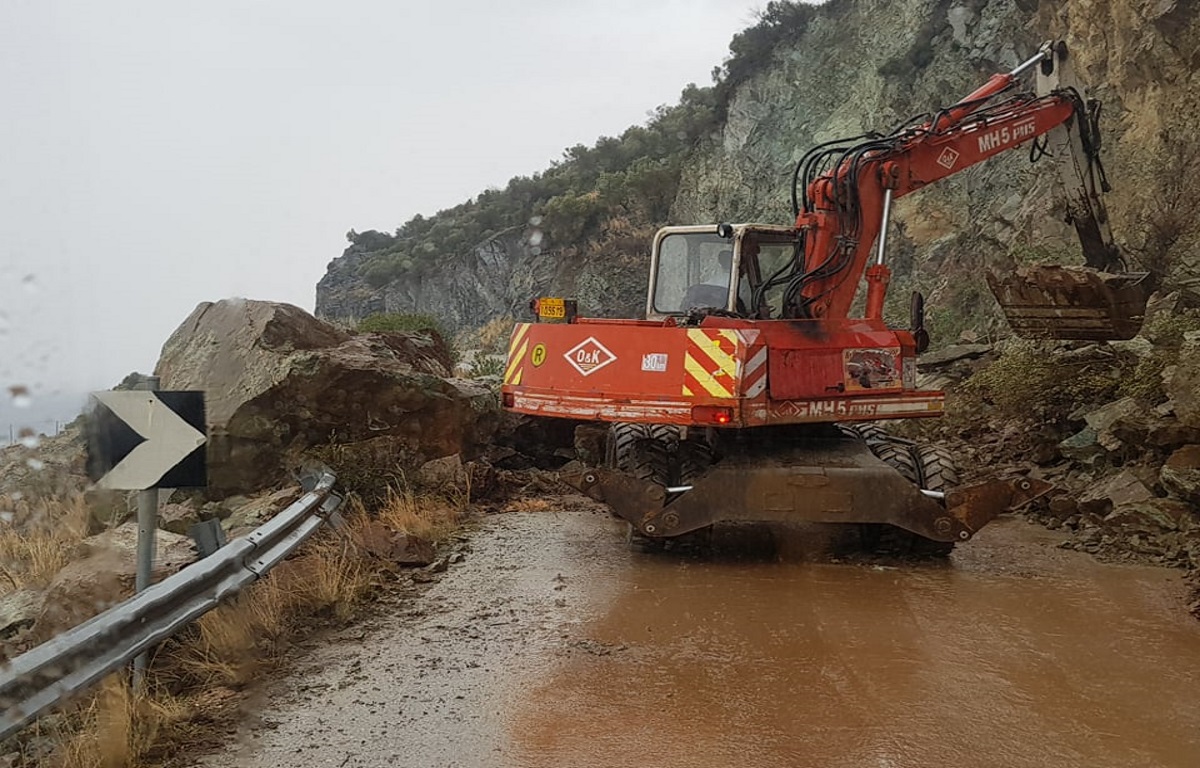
<point>517,349</point>
<point>710,363</point>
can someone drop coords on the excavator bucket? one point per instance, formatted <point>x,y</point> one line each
<point>1057,302</point>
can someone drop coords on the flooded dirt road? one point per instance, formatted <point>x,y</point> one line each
<point>551,645</point>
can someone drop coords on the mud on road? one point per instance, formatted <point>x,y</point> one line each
<point>552,645</point>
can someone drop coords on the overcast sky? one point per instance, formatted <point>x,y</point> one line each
<point>156,154</point>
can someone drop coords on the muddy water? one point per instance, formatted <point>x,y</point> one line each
<point>551,646</point>
<point>995,660</point>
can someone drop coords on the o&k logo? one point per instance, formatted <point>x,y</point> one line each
<point>589,356</point>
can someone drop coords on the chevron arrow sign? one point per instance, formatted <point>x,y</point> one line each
<point>142,439</point>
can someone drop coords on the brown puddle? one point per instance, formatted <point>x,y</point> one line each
<point>1015,654</point>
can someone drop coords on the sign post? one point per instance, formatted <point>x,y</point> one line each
<point>144,440</point>
<point>147,520</point>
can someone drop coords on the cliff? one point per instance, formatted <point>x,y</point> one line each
<point>809,74</point>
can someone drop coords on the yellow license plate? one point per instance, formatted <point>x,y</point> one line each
<point>554,308</point>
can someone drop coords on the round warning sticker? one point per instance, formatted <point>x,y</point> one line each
<point>539,355</point>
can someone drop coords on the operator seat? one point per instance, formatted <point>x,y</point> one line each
<point>713,292</point>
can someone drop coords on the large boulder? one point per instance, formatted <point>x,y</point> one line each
<point>1183,382</point>
<point>1123,488</point>
<point>1181,474</point>
<point>279,381</point>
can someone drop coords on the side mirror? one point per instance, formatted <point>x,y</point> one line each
<point>725,231</point>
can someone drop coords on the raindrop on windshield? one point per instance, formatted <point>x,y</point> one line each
<point>29,283</point>
<point>20,396</point>
<point>28,438</point>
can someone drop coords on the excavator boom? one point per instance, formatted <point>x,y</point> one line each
<point>849,188</point>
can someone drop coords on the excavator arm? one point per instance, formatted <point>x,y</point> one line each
<point>849,188</point>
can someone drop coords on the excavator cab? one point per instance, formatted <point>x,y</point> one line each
<point>718,270</point>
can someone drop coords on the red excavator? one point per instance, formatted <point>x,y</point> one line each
<point>749,392</point>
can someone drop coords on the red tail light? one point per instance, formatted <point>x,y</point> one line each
<point>712,414</point>
<point>507,399</point>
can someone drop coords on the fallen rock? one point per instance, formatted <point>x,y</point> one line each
<point>1183,381</point>
<point>103,573</point>
<point>1136,348</point>
<point>444,474</point>
<point>378,540</point>
<point>1181,474</point>
<point>279,382</point>
<point>178,518</point>
<point>537,441</point>
<point>1121,489</point>
<point>1149,516</point>
<point>19,610</point>
<point>107,509</point>
<point>1148,428</point>
<point>1103,419</point>
<point>244,514</point>
<point>928,361</point>
<point>591,443</point>
<point>1083,446</point>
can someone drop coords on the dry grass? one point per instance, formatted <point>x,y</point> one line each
<point>425,517</point>
<point>528,505</point>
<point>242,641</point>
<point>37,539</point>
<point>494,335</point>
<point>234,644</point>
<point>121,728</point>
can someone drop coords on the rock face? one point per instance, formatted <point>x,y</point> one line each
<point>496,280</point>
<point>279,381</point>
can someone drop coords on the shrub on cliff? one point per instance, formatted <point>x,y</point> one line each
<point>393,322</point>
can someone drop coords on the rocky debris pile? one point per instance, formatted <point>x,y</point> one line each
<point>943,368</point>
<point>1115,427</point>
<point>44,466</point>
<point>280,382</point>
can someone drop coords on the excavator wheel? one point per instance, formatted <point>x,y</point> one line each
<point>938,473</point>
<point>864,430</point>
<point>644,451</point>
<point>693,458</point>
<point>898,457</point>
<point>930,467</point>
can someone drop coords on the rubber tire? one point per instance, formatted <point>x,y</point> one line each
<point>869,431</point>
<point>884,538</point>
<point>899,458</point>
<point>692,459</point>
<point>646,452</point>
<point>938,473</point>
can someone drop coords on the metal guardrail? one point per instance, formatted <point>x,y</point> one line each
<point>75,660</point>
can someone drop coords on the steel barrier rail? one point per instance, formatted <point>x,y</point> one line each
<point>73,661</point>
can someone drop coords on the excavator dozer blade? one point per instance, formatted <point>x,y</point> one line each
<point>838,482</point>
<point>1056,302</point>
